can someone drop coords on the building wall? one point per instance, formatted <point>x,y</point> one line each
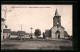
<point>6,35</point>
<point>66,35</point>
<point>54,29</point>
<point>1,35</point>
<point>47,33</point>
<point>2,27</point>
<point>27,36</point>
<point>1,31</point>
<point>13,36</point>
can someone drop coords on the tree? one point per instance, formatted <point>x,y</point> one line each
<point>37,32</point>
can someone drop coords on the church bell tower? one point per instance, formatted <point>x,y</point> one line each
<point>56,19</point>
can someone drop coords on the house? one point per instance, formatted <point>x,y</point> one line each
<point>6,33</point>
<point>13,34</point>
<point>47,34</point>
<point>22,34</point>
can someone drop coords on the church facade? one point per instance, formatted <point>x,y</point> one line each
<point>57,31</point>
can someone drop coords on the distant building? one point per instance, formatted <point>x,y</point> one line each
<point>19,34</point>
<point>29,35</point>
<point>22,34</point>
<point>48,33</point>
<point>66,35</point>
<point>2,27</point>
<point>13,34</point>
<point>6,33</point>
<point>57,31</point>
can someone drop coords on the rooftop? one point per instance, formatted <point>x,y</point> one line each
<point>22,32</point>
<point>6,30</point>
<point>14,33</point>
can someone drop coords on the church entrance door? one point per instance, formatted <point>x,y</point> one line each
<point>57,34</point>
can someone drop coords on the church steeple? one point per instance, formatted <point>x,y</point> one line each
<point>56,13</point>
<point>57,19</point>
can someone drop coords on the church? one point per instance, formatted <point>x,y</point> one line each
<point>57,31</point>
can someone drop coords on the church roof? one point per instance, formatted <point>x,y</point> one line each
<point>66,34</point>
<point>62,27</point>
<point>59,26</point>
<point>56,13</point>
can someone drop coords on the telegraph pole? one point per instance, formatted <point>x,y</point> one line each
<point>5,10</point>
<point>21,27</point>
<point>21,30</point>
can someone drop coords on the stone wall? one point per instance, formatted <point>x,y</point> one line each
<point>48,33</point>
<point>2,27</point>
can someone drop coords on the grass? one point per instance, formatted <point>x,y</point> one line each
<point>8,46</point>
<point>37,44</point>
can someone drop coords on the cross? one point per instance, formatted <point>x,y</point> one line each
<point>31,31</point>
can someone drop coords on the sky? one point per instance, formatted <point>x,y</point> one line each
<point>36,16</point>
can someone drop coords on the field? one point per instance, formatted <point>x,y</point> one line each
<point>37,44</point>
